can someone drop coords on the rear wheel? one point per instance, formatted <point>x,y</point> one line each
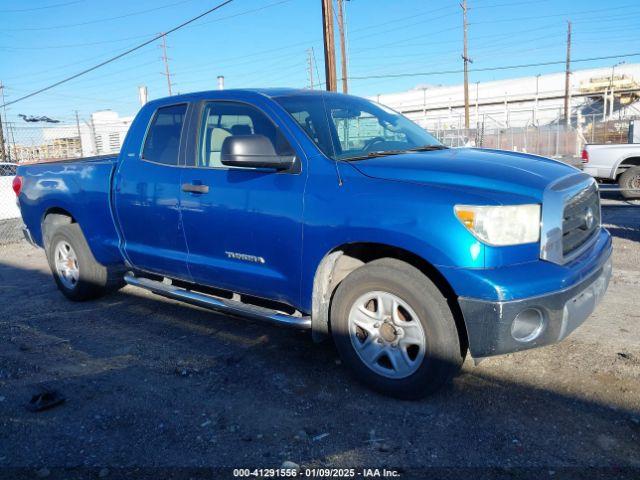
<point>395,330</point>
<point>630,183</point>
<point>75,270</point>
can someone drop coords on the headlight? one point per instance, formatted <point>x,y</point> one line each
<point>501,225</point>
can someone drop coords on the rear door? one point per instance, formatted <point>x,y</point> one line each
<point>243,226</point>
<point>147,196</point>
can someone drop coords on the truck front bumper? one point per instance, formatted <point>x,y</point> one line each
<point>498,327</point>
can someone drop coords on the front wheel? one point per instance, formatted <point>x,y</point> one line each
<point>395,330</point>
<point>75,270</point>
<point>630,183</point>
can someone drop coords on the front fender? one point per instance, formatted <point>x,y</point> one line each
<point>404,216</point>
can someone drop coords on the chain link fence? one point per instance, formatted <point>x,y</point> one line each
<point>30,144</point>
<point>550,140</point>
<point>27,144</point>
<point>10,219</point>
<point>558,141</point>
<point>102,135</point>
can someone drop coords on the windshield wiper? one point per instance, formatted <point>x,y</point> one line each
<point>384,153</point>
<point>427,148</point>
<point>381,153</point>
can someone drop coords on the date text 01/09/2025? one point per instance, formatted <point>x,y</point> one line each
<point>316,473</point>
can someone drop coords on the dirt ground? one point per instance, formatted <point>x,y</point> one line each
<point>150,382</point>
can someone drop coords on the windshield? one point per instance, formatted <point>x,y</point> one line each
<point>349,128</point>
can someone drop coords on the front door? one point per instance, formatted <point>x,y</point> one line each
<point>147,198</point>
<point>243,226</point>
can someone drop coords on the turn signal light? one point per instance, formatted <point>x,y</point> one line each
<point>17,185</point>
<point>466,217</point>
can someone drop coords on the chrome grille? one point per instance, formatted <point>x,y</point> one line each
<point>581,219</point>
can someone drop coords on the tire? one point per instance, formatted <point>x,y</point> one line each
<point>416,371</point>
<point>630,180</point>
<point>78,275</point>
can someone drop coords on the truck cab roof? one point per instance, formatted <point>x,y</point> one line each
<point>239,92</point>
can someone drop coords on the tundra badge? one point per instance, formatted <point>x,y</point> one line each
<point>245,257</point>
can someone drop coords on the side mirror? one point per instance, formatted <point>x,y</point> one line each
<point>252,151</point>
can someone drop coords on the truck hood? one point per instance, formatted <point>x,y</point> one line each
<point>511,173</point>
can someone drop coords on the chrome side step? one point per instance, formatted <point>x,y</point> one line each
<point>218,304</point>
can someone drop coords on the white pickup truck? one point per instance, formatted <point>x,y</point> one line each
<point>617,162</point>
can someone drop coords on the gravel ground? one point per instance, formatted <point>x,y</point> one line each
<point>150,382</point>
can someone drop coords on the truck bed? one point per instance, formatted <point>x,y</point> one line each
<point>603,160</point>
<point>80,188</point>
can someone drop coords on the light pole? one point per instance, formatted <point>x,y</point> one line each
<point>535,108</point>
<point>477,107</point>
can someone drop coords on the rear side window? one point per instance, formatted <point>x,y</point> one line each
<point>163,139</point>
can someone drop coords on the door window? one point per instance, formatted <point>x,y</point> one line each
<point>224,119</point>
<point>163,139</point>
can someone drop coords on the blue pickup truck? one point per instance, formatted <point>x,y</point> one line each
<point>335,214</point>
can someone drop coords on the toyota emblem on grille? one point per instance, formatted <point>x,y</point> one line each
<point>589,218</point>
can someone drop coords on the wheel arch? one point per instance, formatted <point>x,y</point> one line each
<point>53,217</point>
<point>342,260</point>
<point>625,163</point>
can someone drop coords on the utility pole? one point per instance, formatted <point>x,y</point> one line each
<point>465,58</point>
<point>343,49</point>
<point>535,107</point>
<point>3,154</point>
<point>310,66</point>
<point>165,59</point>
<point>612,97</point>
<point>477,104</point>
<point>567,77</point>
<point>329,45</point>
<point>79,135</point>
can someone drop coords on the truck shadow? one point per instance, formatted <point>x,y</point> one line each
<point>152,382</point>
<point>622,220</point>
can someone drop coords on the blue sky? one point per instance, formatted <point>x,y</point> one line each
<point>265,43</point>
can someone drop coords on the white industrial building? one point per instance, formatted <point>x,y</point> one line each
<point>108,131</point>
<point>526,101</point>
<point>103,134</point>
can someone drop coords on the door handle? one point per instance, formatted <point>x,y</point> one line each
<point>192,188</point>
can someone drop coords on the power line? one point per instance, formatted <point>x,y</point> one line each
<point>119,56</point>
<point>491,69</point>
<point>135,37</point>
<point>71,45</point>
<point>100,20</point>
<point>572,14</point>
<point>18,10</point>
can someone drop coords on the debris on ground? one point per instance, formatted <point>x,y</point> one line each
<point>44,400</point>
<point>288,465</point>
<point>320,437</point>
